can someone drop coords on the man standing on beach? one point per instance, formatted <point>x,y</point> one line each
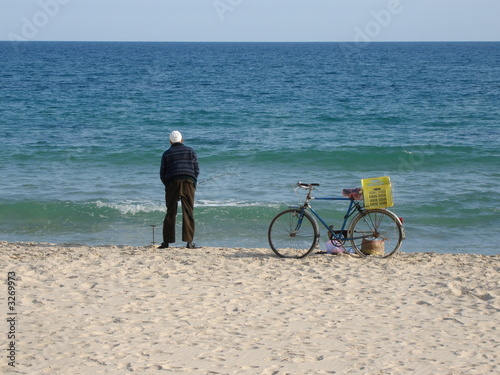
<point>179,173</point>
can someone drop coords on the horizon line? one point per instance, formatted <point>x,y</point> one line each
<point>249,41</point>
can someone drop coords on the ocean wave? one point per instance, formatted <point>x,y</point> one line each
<point>69,210</point>
<point>234,203</point>
<point>131,207</point>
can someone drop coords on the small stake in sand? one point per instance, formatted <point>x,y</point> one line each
<point>153,226</point>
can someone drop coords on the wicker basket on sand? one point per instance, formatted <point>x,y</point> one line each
<point>374,247</point>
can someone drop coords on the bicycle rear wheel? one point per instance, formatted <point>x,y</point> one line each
<point>293,234</point>
<point>376,232</point>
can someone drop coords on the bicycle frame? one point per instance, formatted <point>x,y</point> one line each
<point>353,208</point>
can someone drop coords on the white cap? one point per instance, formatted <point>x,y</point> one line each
<point>175,136</point>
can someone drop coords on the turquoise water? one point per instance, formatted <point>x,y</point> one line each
<point>84,125</point>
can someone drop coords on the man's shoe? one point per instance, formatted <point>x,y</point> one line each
<point>191,245</point>
<point>163,246</point>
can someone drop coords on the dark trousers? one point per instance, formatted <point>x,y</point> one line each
<point>182,190</point>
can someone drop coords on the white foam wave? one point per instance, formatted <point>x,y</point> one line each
<point>233,203</point>
<point>131,207</point>
<point>135,207</point>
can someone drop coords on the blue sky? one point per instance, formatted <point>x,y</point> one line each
<point>250,20</point>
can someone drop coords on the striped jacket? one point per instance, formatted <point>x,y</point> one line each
<point>179,161</point>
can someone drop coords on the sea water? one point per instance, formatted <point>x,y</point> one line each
<point>84,125</point>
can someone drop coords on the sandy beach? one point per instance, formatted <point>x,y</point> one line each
<point>140,310</point>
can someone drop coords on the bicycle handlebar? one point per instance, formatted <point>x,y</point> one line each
<point>306,186</point>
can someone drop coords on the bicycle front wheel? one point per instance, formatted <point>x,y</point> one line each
<point>293,234</point>
<point>376,232</point>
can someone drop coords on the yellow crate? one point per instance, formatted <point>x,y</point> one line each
<point>377,192</point>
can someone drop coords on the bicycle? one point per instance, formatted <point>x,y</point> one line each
<point>294,232</point>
